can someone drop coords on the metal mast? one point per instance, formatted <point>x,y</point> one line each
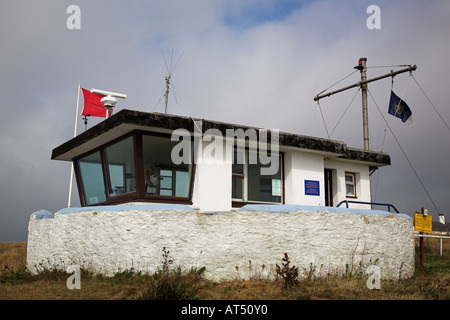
<point>365,113</point>
<point>363,85</point>
<point>167,92</point>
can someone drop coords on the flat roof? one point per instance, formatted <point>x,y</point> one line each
<point>126,121</point>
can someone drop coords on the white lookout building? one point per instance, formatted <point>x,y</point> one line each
<point>217,195</point>
<point>110,160</point>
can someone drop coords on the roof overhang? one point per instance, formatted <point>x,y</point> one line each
<point>127,121</point>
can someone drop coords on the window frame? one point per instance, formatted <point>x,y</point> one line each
<point>353,183</point>
<point>240,176</point>
<point>79,178</point>
<point>162,198</point>
<point>106,163</point>
<point>237,203</point>
<point>140,193</point>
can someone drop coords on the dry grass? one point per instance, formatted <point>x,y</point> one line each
<point>13,256</point>
<point>429,283</point>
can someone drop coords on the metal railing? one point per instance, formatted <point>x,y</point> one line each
<point>440,237</point>
<point>389,206</point>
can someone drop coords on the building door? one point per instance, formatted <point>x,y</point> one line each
<point>328,187</point>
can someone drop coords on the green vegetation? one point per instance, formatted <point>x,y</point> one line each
<point>170,282</point>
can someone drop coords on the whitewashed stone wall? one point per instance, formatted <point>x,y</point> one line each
<point>228,244</point>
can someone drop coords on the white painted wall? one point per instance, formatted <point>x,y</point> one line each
<point>301,166</point>
<point>212,184</point>
<point>123,238</point>
<point>363,190</point>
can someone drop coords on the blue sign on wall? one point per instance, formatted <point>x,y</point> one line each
<point>312,188</point>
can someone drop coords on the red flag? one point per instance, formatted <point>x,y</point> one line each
<point>92,105</point>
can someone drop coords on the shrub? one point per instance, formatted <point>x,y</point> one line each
<point>288,274</point>
<point>168,284</point>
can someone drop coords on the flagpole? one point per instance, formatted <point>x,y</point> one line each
<point>363,85</point>
<point>74,135</point>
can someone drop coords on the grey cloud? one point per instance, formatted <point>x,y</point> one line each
<point>271,69</point>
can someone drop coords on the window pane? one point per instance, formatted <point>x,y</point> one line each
<point>120,159</point>
<point>165,192</point>
<point>350,184</point>
<point>238,162</point>
<point>92,179</point>
<point>170,179</point>
<point>116,174</point>
<point>264,187</point>
<point>166,183</point>
<point>167,173</point>
<point>350,190</point>
<point>237,182</point>
<point>237,188</point>
<point>182,184</point>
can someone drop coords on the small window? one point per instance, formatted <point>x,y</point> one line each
<point>120,164</point>
<point>350,184</point>
<point>91,173</point>
<point>249,184</point>
<point>162,176</point>
<point>264,188</point>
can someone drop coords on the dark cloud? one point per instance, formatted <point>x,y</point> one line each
<point>272,67</point>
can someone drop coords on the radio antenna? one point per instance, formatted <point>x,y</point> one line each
<point>171,68</point>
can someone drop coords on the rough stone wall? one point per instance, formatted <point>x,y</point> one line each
<point>245,243</point>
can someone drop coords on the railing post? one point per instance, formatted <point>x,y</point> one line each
<point>421,246</point>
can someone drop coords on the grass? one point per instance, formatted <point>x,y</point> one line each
<point>173,282</point>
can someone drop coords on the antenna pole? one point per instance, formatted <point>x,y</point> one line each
<point>167,92</point>
<point>365,112</point>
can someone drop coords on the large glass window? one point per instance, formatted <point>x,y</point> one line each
<point>120,163</point>
<point>161,175</point>
<point>118,173</point>
<point>265,188</point>
<point>249,184</point>
<point>92,179</point>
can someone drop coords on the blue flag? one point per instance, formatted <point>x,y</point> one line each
<point>398,108</point>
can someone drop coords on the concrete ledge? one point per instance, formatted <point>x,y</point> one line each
<point>127,207</point>
<point>41,214</point>
<point>298,208</point>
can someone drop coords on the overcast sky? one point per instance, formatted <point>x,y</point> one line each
<point>250,62</point>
